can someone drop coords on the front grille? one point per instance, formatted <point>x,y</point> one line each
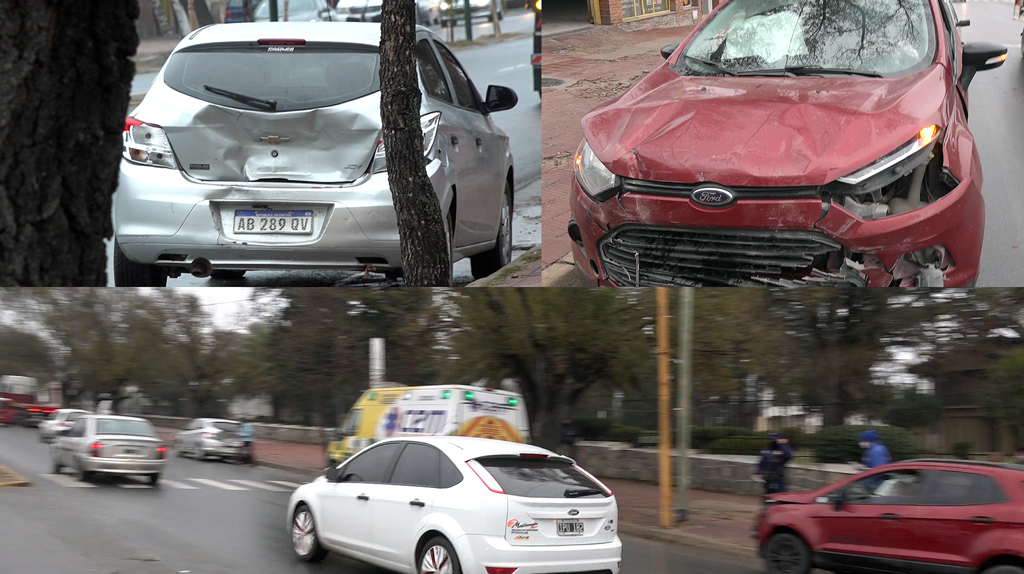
<point>685,189</point>
<point>720,257</point>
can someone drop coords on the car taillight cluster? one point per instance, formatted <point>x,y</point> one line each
<point>161,451</point>
<point>95,449</point>
<point>146,144</point>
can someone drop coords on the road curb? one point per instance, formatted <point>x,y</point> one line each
<point>17,479</point>
<point>676,536</point>
<point>519,266</point>
<point>561,273</point>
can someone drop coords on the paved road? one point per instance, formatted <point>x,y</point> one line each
<point>522,124</point>
<point>126,526</point>
<point>517,21</point>
<point>997,121</point>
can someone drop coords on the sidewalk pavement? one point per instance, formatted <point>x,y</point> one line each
<point>716,521</point>
<point>594,66</point>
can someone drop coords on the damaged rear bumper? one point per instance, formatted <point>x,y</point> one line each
<point>649,240</point>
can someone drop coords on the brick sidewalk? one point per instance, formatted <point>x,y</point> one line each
<point>595,66</point>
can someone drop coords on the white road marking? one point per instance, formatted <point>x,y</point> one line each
<point>221,485</point>
<point>133,485</point>
<point>510,68</point>
<point>179,485</point>
<point>67,481</point>
<point>255,484</point>
<point>285,483</point>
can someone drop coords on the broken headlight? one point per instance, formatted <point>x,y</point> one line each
<point>428,124</point>
<point>595,179</point>
<point>889,167</point>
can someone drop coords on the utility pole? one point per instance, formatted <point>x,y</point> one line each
<point>273,10</point>
<point>684,382</point>
<point>469,21</point>
<point>664,409</point>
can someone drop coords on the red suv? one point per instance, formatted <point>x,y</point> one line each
<point>790,142</point>
<point>942,516</point>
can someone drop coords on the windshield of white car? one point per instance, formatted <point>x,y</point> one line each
<point>125,427</point>
<point>540,478</point>
<point>813,37</point>
<point>294,77</point>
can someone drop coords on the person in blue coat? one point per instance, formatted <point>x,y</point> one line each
<point>772,467</point>
<point>875,453</point>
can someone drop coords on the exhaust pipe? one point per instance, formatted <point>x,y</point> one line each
<point>201,268</point>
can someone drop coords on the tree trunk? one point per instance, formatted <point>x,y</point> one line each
<point>65,75</point>
<point>426,258</point>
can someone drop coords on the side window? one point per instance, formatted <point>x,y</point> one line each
<point>78,429</point>
<point>372,465</point>
<point>417,466</point>
<point>431,74</point>
<point>893,487</point>
<point>450,476</point>
<point>464,91</point>
<point>950,488</point>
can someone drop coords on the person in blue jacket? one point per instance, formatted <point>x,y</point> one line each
<point>875,453</point>
<point>772,467</point>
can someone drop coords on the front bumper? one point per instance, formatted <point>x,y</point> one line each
<point>119,466</point>
<point>478,551</point>
<point>956,222</point>
<point>163,217</point>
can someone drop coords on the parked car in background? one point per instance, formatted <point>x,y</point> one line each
<point>359,10</point>
<point>59,422</point>
<point>259,146</point>
<point>298,11</point>
<point>458,504</point>
<point>203,438</point>
<point>785,143</point>
<point>110,444</point>
<point>950,516</point>
<point>455,11</point>
<point>6,411</point>
<point>234,11</point>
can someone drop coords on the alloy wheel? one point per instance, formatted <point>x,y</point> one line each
<point>785,557</point>
<point>436,561</point>
<point>506,232</point>
<point>303,532</point>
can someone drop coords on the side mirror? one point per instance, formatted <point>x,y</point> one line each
<point>963,23</point>
<point>332,474</point>
<point>668,50</point>
<point>500,98</point>
<point>836,499</point>
<point>980,56</point>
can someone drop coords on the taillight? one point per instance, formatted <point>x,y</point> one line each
<point>485,477</point>
<point>600,484</point>
<point>33,410</point>
<point>146,144</point>
<point>500,570</point>
<point>95,448</point>
<point>161,451</point>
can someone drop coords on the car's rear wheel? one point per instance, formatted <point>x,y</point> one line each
<point>305,542</point>
<point>230,274</point>
<point>128,273</point>
<point>438,557</point>
<point>55,458</point>
<point>491,261</point>
<point>787,554</point>
<point>1004,569</point>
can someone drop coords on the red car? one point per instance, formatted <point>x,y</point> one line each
<point>6,412</point>
<point>942,516</point>
<point>790,142</point>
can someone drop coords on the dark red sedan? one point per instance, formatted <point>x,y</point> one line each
<point>790,142</point>
<point>943,516</point>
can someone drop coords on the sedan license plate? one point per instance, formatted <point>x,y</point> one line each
<point>266,221</point>
<point>131,451</point>
<point>569,527</point>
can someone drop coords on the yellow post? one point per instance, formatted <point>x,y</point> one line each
<point>664,410</point>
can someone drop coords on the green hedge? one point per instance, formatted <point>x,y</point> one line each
<point>747,445</point>
<point>841,443</point>
<point>702,437</point>
<point>592,428</point>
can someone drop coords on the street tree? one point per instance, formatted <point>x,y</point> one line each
<point>424,232</point>
<point>65,76</point>
<point>25,353</point>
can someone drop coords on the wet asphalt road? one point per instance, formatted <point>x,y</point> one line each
<point>996,118</point>
<point>110,529</point>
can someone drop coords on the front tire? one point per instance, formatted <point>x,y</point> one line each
<point>1004,569</point>
<point>438,557</point>
<point>787,554</point>
<point>305,542</point>
<point>489,262</point>
<point>128,273</point>
<point>82,475</point>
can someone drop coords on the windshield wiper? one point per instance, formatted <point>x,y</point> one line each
<point>810,71</point>
<point>711,65</point>
<point>578,492</point>
<point>269,105</point>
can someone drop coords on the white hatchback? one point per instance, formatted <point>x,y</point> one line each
<point>458,504</point>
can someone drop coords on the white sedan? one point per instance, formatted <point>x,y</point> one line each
<point>449,505</point>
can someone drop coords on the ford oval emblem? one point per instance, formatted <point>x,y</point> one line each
<point>712,196</point>
<point>573,512</point>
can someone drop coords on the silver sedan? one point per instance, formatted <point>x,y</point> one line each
<point>59,422</point>
<point>110,444</point>
<point>203,438</point>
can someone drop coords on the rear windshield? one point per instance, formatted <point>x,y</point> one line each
<point>121,426</point>
<point>227,427</point>
<point>316,75</point>
<point>74,416</point>
<point>534,478</point>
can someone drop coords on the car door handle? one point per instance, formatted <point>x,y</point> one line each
<point>363,497</point>
<point>418,502</point>
<point>455,140</point>
<point>983,520</point>
<point>889,516</point>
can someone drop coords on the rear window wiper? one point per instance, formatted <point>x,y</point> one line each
<point>269,105</point>
<point>578,492</point>
<point>810,71</point>
<point>711,65</point>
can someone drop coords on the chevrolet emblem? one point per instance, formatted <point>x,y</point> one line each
<point>273,139</point>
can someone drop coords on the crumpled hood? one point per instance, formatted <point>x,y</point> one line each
<point>760,131</point>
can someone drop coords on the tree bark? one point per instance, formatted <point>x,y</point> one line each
<point>426,257</point>
<point>65,75</point>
